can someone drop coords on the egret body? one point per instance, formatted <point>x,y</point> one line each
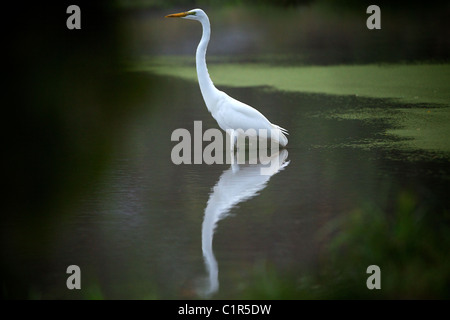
<point>230,114</point>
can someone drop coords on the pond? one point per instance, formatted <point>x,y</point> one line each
<point>364,179</point>
<point>152,229</point>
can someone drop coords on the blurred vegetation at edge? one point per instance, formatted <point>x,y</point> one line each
<point>408,242</point>
<point>343,4</point>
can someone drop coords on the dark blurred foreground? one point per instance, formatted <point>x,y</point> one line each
<point>66,102</point>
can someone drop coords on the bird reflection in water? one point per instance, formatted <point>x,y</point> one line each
<point>236,184</point>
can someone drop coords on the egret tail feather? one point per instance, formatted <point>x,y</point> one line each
<point>280,135</point>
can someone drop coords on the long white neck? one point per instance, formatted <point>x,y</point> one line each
<point>209,92</point>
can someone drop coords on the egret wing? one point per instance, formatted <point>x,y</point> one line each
<point>237,115</point>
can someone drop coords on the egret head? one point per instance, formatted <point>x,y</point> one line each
<point>194,14</point>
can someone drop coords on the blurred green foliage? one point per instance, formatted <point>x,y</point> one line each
<point>345,4</point>
<point>405,241</point>
<point>208,3</point>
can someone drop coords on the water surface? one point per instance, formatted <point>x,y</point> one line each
<point>152,229</point>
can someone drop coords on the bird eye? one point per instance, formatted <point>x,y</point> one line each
<point>192,13</point>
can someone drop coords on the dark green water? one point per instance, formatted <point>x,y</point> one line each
<point>139,231</point>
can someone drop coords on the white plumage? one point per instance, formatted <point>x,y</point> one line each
<point>230,114</point>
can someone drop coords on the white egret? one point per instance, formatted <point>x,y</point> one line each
<point>230,114</point>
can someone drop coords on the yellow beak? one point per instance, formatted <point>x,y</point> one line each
<point>177,15</point>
